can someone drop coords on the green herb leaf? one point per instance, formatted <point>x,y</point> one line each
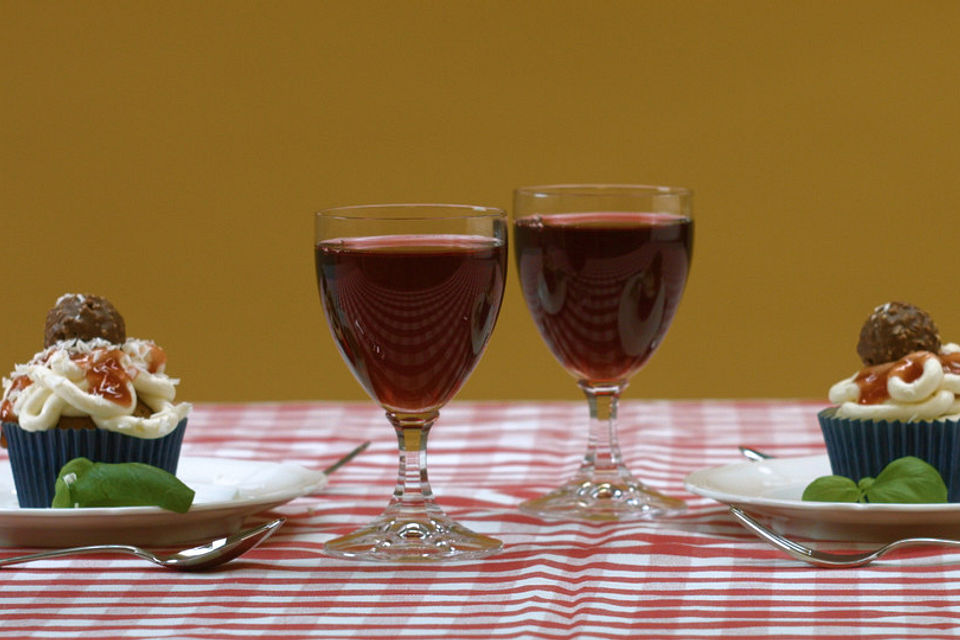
<point>82,483</point>
<point>68,474</point>
<point>832,489</point>
<point>908,480</point>
<point>905,480</point>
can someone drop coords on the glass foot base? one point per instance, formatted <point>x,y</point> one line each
<point>389,539</point>
<point>593,499</point>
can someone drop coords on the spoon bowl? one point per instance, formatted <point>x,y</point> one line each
<point>205,556</point>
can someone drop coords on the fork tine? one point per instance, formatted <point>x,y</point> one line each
<point>787,546</point>
<point>805,554</point>
<point>827,559</point>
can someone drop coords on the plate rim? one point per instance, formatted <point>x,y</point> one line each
<point>277,497</point>
<point>729,498</point>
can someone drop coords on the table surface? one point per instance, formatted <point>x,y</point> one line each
<point>696,576</point>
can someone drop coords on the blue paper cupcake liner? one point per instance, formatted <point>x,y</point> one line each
<point>859,448</point>
<point>36,457</point>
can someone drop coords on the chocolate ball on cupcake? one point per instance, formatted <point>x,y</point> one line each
<point>902,402</point>
<point>84,317</point>
<point>91,392</point>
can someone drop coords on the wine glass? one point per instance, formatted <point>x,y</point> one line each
<point>603,268</point>
<point>411,294</point>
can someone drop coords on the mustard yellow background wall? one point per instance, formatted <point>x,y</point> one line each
<point>169,156</point>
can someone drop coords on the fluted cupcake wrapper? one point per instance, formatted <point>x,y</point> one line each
<point>36,457</point>
<point>860,448</point>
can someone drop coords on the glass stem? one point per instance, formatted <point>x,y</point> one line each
<point>602,459</point>
<point>412,494</point>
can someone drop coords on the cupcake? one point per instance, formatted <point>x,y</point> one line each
<point>91,392</point>
<point>903,402</point>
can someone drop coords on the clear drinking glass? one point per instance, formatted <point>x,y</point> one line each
<point>411,293</point>
<point>603,268</point>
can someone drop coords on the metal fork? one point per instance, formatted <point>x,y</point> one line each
<point>832,560</point>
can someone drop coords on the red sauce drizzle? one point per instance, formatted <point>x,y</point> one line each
<point>951,363</point>
<point>6,408</point>
<point>106,376</point>
<point>155,359</point>
<point>873,380</point>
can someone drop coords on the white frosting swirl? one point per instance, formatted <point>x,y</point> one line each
<point>59,386</point>
<point>931,396</point>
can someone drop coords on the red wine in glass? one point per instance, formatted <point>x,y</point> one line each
<point>411,314</point>
<point>602,269</point>
<point>603,287</point>
<point>411,293</point>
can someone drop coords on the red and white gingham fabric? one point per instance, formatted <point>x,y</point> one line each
<point>697,576</point>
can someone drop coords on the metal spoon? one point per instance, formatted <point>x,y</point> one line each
<point>207,555</point>
<point>832,560</point>
<point>754,455</point>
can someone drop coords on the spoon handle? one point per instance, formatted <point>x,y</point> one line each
<point>76,551</point>
<point>754,455</point>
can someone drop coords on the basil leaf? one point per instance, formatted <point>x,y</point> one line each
<point>82,483</point>
<point>832,489</point>
<point>67,476</point>
<point>908,480</point>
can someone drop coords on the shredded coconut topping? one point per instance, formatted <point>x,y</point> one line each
<point>57,382</point>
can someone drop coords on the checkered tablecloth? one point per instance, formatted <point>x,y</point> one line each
<point>696,576</point>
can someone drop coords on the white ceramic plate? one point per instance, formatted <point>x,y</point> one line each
<point>771,489</point>
<point>227,491</point>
